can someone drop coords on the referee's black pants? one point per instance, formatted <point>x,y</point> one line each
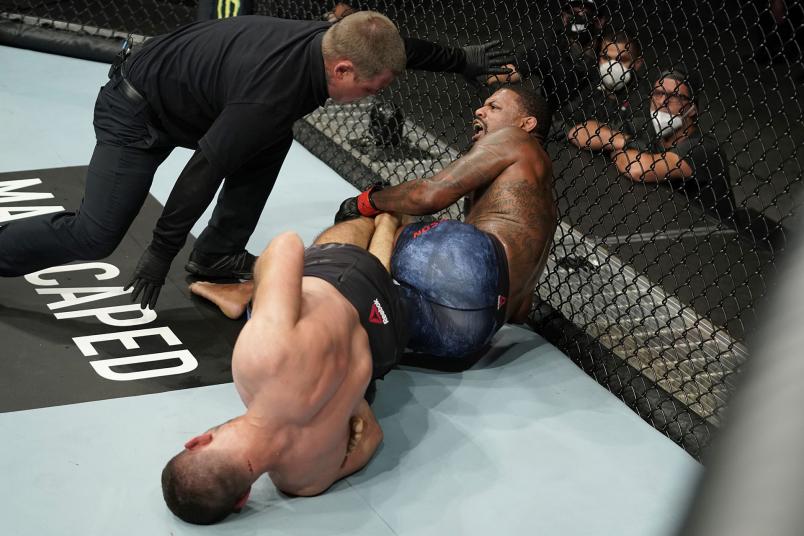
<point>241,201</point>
<point>119,176</point>
<point>127,153</point>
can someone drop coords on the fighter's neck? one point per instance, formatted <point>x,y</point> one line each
<point>267,441</point>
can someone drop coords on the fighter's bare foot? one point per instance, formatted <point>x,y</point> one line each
<point>231,298</point>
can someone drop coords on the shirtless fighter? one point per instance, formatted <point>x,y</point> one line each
<point>462,281</point>
<point>325,322</point>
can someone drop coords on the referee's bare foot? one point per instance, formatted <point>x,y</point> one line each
<point>231,298</point>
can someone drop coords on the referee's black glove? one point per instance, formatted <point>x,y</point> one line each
<point>486,59</point>
<point>149,276</point>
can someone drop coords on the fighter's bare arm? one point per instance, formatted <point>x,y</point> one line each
<point>277,281</point>
<point>365,435</point>
<point>276,305</point>
<point>489,157</point>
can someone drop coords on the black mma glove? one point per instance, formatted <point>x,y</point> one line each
<point>347,211</point>
<point>362,205</point>
<point>148,278</point>
<point>484,59</point>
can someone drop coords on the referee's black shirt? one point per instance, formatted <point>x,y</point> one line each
<point>232,87</point>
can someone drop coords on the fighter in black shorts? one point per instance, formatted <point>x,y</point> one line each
<point>324,324</point>
<point>359,274</point>
<point>365,282</point>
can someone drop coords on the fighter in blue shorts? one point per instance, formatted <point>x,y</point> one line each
<point>462,281</point>
<point>454,280</point>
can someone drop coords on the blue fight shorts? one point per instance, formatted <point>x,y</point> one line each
<point>453,279</point>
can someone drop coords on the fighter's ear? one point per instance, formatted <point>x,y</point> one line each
<point>241,502</point>
<point>199,441</point>
<point>529,124</point>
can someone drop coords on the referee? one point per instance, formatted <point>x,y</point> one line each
<point>230,89</point>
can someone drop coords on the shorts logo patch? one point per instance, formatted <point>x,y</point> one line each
<point>377,315</point>
<point>426,228</point>
<point>500,302</point>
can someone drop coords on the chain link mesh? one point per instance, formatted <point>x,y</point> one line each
<point>651,289</point>
<point>100,17</point>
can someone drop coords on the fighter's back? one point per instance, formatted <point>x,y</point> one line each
<point>301,365</point>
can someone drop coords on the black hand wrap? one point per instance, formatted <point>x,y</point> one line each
<point>486,59</point>
<point>347,211</point>
<point>361,205</point>
<point>149,276</point>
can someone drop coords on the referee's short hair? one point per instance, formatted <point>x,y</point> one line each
<point>369,40</point>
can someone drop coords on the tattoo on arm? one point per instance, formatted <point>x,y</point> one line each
<point>424,196</point>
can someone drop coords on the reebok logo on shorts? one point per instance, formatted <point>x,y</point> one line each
<point>500,301</point>
<point>377,315</point>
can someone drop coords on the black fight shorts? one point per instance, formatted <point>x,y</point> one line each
<point>362,279</point>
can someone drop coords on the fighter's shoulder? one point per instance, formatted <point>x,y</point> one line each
<point>509,135</point>
<point>525,150</point>
<point>515,142</point>
<point>260,350</point>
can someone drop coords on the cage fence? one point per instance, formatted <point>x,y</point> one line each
<point>651,288</point>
